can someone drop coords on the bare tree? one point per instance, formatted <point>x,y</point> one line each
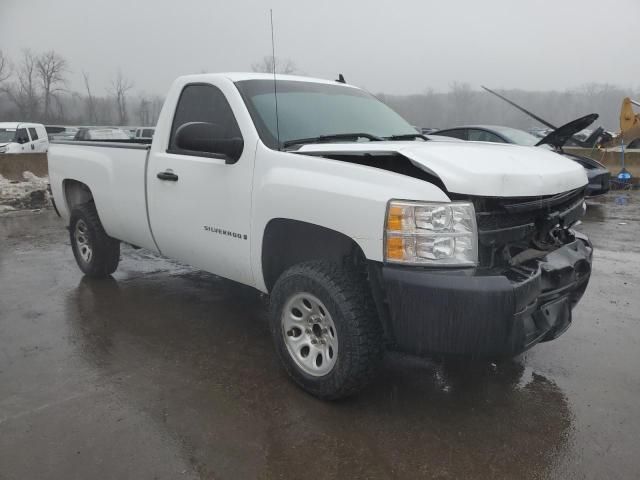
<point>23,92</point>
<point>462,96</point>
<point>282,65</point>
<point>119,88</point>
<point>50,68</point>
<point>90,101</point>
<point>105,111</point>
<point>144,110</point>
<point>5,68</point>
<point>156,106</point>
<point>60,108</point>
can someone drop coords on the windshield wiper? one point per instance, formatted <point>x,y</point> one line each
<point>328,138</point>
<point>407,136</point>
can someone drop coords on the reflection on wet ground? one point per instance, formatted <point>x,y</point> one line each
<point>220,354</point>
<point>612,221</point>
<point>166,372</point>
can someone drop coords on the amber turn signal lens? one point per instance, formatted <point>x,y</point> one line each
<point>394,218</point>
<point>395,248</point>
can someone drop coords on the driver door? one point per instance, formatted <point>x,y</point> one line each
<point>22,137</point>
<point>199,200</point>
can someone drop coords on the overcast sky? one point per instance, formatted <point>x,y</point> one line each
<point>391,47</point>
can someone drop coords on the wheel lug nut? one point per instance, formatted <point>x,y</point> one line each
<point>308,331</point>
<point>324,330</point>
<point>314,341</point>
<point>323,342</point>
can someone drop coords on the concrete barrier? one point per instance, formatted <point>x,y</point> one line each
<point>12,165</point>
<point>612,160</point>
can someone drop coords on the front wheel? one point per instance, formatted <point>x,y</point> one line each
<point>96,253</point>
<point>326,329</point>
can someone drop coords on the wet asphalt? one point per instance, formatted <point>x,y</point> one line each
<point>164,372</point>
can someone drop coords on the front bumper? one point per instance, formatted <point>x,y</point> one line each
<point>598,182</point>
<point>485,313</point>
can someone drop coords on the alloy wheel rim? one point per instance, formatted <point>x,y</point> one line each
<point>81,236</point>
<point>310,334</point>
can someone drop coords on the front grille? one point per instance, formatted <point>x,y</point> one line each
<point>508,226</point>
<point>499,213</point>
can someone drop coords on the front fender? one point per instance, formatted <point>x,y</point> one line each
<point>341,196</point>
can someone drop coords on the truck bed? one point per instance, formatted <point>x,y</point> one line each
<point>116,171</point>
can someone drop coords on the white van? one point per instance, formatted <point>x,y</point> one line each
<point>23,138</point>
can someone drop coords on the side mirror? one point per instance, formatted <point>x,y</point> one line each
<point>22,140</point>
<point>232,148</point>
<point>207,137</point>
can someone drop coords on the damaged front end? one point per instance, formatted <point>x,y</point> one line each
<point>533,269</point>
<point>514,230</point>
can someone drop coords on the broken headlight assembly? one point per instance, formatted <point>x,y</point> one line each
<point>431,234</point>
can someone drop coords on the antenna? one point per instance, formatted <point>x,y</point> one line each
<point>275,88</point>
<point>535,117</point>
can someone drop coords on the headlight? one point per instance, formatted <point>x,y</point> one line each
<point>441,234</point>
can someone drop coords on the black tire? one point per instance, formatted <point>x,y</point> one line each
<point>105,251</point>
<point>347,297</point>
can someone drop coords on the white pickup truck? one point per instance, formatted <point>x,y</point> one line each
<point>366,234</point>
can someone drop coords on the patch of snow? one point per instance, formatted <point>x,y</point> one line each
<point>29,193</point>
<point>6,208</point>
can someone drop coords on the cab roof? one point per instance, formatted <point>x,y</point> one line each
<point>240,76</point>
<point>19,124</point>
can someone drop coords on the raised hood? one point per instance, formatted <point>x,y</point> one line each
<point>477,168</point>
<point>561,135</point>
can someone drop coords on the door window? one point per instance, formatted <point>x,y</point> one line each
<point>460,133</point>
<point>205,110</point>
<point>34,134</point>
<point>22,136</point>
<point>484,136</point>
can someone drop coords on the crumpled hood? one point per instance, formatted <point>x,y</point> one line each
<point>477,168</point>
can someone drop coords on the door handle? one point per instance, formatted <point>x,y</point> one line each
<point>167,175</point>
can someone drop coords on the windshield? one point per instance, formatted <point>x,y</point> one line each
<point>519,137</point>
<point>308,110</point>
<point>7,135</point>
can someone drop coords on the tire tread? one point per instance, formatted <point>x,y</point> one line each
<point>349,288</point>
<point>106,250</point>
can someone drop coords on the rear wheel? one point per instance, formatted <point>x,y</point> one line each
<point>325,328</point>
<point>96,253</point>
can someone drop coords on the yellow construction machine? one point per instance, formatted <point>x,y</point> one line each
<point>630,123</point>
<point>629,126</point>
